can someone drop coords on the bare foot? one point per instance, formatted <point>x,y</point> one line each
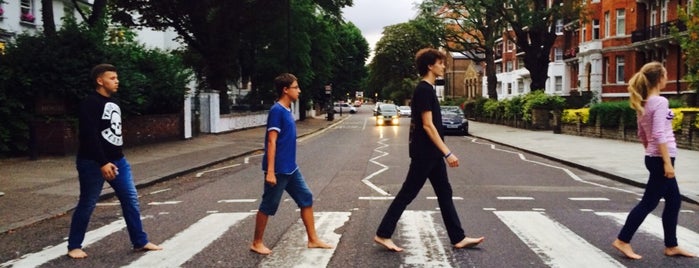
<point>469,242</point>
<point>149,247</point>
<point>387,243</point>
<point>319,244</point>
<point>626,249</point>
<point>77,253</point>
<point>260,249</point>
<point>677,251</point>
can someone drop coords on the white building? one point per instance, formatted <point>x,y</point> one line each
<point>24,16</point>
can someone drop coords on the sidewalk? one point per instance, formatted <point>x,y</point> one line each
<point>47,187</point>
<point>618,160</point>
<point>41,189</point>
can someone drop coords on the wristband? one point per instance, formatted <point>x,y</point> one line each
<point>447,155</point>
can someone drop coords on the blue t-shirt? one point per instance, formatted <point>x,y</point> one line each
<point>282,121</point>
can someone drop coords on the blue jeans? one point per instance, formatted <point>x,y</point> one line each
<point>294,184</point>
<point>91,182</point>
<point>658,187</point>
<point>420,170</point>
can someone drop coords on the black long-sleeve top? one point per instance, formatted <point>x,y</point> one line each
<point>100,129</point>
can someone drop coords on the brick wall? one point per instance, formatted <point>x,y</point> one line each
<point>138,130</point>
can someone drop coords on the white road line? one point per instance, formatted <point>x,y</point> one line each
<point>184,245</point>
<point>588,199</point>
<point>653,225</point>
<point>236,201</point>
<point>556,245</point>
<point>515,198</point>
<point>453,198</point>
<point>215,169</point>
<point>567,171</point>
<point>376,197</point>
<point>247,158</point>
<point>420,238</point>
<point>383,168</point>
<point>50,253</point>
<point>292,249</point>
<point>160,191</point>
<point>489,209</point>
<point>164,203</point>
<point>108,204</point>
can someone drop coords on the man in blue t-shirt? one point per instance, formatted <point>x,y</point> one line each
<point>428,152</point>
<point>280,168</point>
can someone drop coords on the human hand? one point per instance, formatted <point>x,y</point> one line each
<point>452,160</point>
<point>109,171</point>
<point>669,171</point>
<point>271,179</point>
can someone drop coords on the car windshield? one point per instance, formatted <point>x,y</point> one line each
<point>404,107</point>
<point>388,108</point>
<point>452,110</point>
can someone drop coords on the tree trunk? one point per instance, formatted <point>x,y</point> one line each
<point>47,18</point>
<point>537,62</point>
<point>491,76</point>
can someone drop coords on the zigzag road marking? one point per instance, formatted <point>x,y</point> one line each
<point>292,249</point>
<point>555,244</point>
<point>191,241</point>
<point>366,179</point>
<point>653,225</point>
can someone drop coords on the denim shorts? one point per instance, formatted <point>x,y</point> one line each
<point>294,184</point>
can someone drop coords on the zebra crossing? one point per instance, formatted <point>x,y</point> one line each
<point>420,233</point>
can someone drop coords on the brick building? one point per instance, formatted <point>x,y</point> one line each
<point>617,39</point>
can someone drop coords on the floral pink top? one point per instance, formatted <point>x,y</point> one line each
<point>655,126</point>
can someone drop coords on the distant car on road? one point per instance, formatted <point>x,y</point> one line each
<point>453,120</point>
<point>346,108</point>
<point>404,111</point>
<point>387,114</point>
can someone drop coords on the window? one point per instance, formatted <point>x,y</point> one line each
<point>509,66</point>
<point>583,33</point>
<point>498,68</point>
<point>663,11</point>
<point>606,24</point>
<point>509,88</point>
<point>520,86</point>
<point>559,26</point>
<point>558,54</point>
<point>558,83</point>
<point>605,72</point>
<point>595,29</point>
<point>510,46</point>
<point>620,22</point>
<point>520,62</point>
<point>619,69</point>
<point>653,15</point>
<point>26,10</point>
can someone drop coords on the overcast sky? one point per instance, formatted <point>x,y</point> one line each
<point>370,16</point>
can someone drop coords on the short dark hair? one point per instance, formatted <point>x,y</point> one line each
<point>282,81</point>
<point>100,69</point>
<point>426,57</point>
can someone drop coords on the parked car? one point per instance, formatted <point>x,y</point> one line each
<point>404,111</point>
<point>346,108</point>
<point>453,120</point>
<point>387,114</point>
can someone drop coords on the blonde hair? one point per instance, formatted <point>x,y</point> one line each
<point>642,82</point>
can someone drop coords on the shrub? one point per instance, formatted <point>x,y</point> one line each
<point>570,116</point>
<point>540,100</point>
<point>679,115</point>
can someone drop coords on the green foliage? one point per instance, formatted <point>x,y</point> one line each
<point>609,114</point>
<point>570,116</point>
<point>57,68</point>
<point>540,100</point>
<point>689,41</point>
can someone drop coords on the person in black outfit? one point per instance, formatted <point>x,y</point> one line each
<point>100,159</point>
<point>427,155</point>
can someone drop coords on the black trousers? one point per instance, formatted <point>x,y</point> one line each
<point>420,170</point>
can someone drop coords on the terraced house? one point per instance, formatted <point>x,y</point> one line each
<point>618,37</point>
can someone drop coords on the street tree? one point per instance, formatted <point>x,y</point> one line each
<point>472,28</point>
<point>215,30</point>
<point>394,55</point>
<point>533,25</point>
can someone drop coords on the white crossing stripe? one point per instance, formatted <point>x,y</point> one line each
<point>50,253</point>
<point>588,199</point>
<point>236,201</point>
<point>164,203</point>
<point>420,236</point>
<point>186,244</point>
<point>515,198</point>
<point>555,244</point>
<point>653,225</point>
<point>292,249</point>
<point>376,197</point>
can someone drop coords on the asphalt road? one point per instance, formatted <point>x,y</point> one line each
<point>533,212</point>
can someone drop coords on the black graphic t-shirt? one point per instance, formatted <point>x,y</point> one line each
<point>424,99</point>
<point>100,129</point>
